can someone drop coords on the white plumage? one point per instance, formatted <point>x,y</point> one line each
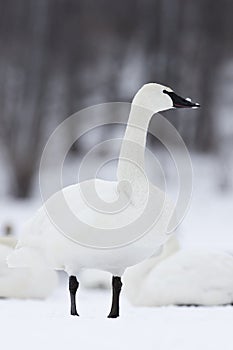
<point>41,244</point>
<point>188,277</point>
<point>141,203</point>
<point>23,283</point>
<point>133,276</point>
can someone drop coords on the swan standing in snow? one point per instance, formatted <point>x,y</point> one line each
<point>132,191</point>
<point>188,277</point>
<point>20,282</point>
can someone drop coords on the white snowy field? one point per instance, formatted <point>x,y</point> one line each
<point>47,325</point>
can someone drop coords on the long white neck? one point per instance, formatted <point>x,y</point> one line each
<point>132,179</point>
<point>131,161</point>
<point>131,169</point>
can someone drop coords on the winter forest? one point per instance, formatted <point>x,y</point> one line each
<point>60,56</point>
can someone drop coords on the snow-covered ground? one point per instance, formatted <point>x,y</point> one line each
<point>47,325</point>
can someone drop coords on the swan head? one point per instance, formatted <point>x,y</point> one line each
<point>157,98</point>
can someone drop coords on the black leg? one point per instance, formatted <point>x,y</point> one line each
<point>73,286</point>
<point>116,289</point>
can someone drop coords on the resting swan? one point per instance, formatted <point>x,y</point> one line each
<point>188,277</point>
<point>20,282</point>
<point>131,191</point>
<point>135,276</point>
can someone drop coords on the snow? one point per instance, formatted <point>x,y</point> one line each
<point>16,213</point>
<point>209,220</point>
<point>47,325</point>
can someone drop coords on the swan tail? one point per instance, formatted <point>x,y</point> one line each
<point>25,257</point>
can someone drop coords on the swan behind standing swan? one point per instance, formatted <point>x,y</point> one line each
<point>132,192</point>
<point>23,283</point>
<point>188,277</point>
<point>135,277</point>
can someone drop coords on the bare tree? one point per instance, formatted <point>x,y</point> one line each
<point>86,47</point>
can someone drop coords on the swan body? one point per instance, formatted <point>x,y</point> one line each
<point>125,201</point>
<point>23,283</point>
<point>188,277</point>
<point>41,244</point>
<point>133,276</point>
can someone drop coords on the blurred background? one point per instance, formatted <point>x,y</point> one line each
<point>59,56</point>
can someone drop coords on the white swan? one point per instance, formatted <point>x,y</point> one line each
<point>188,277</point>
<point>134,275</point>
<point>132,192</point>
<point>20,282</point>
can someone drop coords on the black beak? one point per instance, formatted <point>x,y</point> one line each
<point>180,102</point>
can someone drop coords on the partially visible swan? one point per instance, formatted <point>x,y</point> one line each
<point>188,277</point>
<point>132,192</point>
<point>135,276</point>
<point>21,282</point>
<point>95,279</point>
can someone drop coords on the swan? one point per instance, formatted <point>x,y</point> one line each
<point>131,192</point>
<point>133,276</point>
<point>23,283</point>
<point>188,277</point>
